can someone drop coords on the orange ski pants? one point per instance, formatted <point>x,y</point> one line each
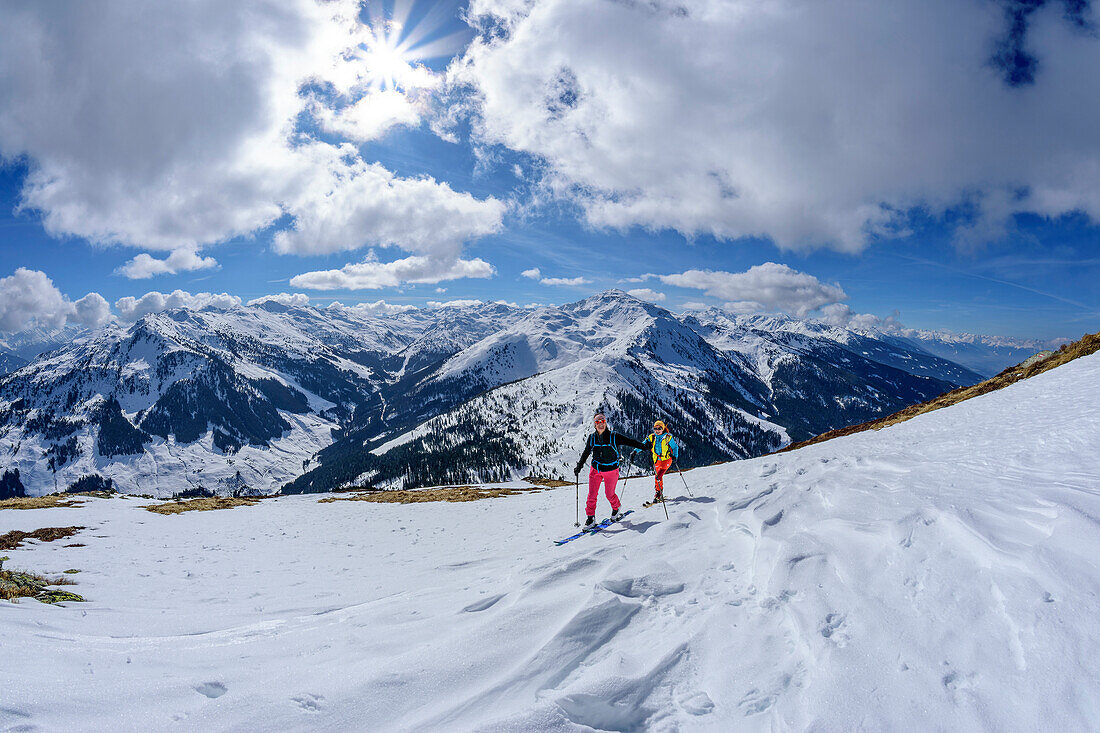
<point>659,468</point>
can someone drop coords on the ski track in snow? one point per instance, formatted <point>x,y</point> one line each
<point>939,574</point>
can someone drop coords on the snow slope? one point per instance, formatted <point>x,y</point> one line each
<point>936,575</point>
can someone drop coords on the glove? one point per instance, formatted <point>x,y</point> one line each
<point>577,469</point>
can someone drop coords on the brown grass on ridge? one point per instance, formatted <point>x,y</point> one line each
<point>40,502</point>
<point>13,539</point>
<point>202,505</point>
<point>416,496</point>
<point>1025,370</point>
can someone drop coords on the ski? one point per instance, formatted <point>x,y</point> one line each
<point>648,504</point>
<point>593,530</point>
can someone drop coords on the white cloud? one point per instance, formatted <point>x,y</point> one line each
<point>378,307</point>
<point>769,286</point>
<point>132,309</point>
<point>178,128</point>
<point>181,260</point>
<point>647,294</point>
<point>533,273</point>
<point>695,305</point>
<point>358,204</point>
<point>29,298</point>
<point>372,275</point>
<point>640,279</point>
<point>92,310</point>
<point>807,122</point>
<point>370,117</point>
<point>441,290</point>
<point>839,314</point>
<point>458,303</point>
<point>296,300</point>
<point>571,282</point>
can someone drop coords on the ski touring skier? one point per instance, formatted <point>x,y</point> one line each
<point>665,450</point>
<point>603,445</point>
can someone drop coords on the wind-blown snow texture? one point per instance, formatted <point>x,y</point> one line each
<point>935,575</point>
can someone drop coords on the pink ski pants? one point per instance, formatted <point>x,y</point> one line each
<point>609,479</point>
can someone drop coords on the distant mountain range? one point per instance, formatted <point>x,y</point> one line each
<point>270,397</point>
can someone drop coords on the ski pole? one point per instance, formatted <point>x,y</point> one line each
<point>577,485</point>
<point>685,482</point>
<point>622,493</point>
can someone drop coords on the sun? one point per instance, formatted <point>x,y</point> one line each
<point>386,59</point>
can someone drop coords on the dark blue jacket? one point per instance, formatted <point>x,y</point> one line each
<point>605,449</point>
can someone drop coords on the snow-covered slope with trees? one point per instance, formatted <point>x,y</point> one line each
<point>279,394</point>
<point>214,400</point>
<point>935,575</point>
<point>521,399</point>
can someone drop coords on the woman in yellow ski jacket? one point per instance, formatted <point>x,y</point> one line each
<point>665,451</point>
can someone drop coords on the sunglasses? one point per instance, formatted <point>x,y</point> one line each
<point>601,422</point>
<point>658,430</point>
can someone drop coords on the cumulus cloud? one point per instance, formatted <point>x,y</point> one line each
<point>839,314</point>
<point>533,273</point>
<point>570,282</point>
<point>132,309</point>
<point>295,300</point>
<point>810,123</point>
<point>181,260</point>
<point>359,204</point>
<point>92,310</point>
<point>640,279</point>
<point>372,275</point>
<point>770,286</point>
<point>694,305</point>
<point>377,308</point>
<point>29,298</point>
<point>181,127</point>
<point>647,294</point>
<point>457,303</point>
<point>373,115</point>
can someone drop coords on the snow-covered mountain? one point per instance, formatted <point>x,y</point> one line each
<point>986,355</point>
<point>32,342</point>
<point>211,399</point>
<point>255,398</point>
<point>522,398</point>
<point>936,575</point>
<point>9,362</point>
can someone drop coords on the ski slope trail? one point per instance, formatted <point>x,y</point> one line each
<point>937,574</point>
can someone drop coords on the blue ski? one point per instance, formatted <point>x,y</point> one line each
<point>602,525</point>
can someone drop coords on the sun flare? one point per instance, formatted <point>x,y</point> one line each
<point>387,60</point>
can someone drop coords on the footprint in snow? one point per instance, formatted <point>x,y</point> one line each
<point>309,702</point>
<point>697,703</point>
<point>755,702</point>
<point>835,629</point>
<point>211,689</point>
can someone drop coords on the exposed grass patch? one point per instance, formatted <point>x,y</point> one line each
<point>13,539</point>
<point>550,483</point>
<point>15,584</point>
<point>202,505</point>
<point>40,502</point>
<point>442,493</point>
<point>1025,370</point>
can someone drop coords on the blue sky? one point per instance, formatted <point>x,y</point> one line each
<point>937,165</point>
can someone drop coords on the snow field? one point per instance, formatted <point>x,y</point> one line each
<point>936,575</point>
